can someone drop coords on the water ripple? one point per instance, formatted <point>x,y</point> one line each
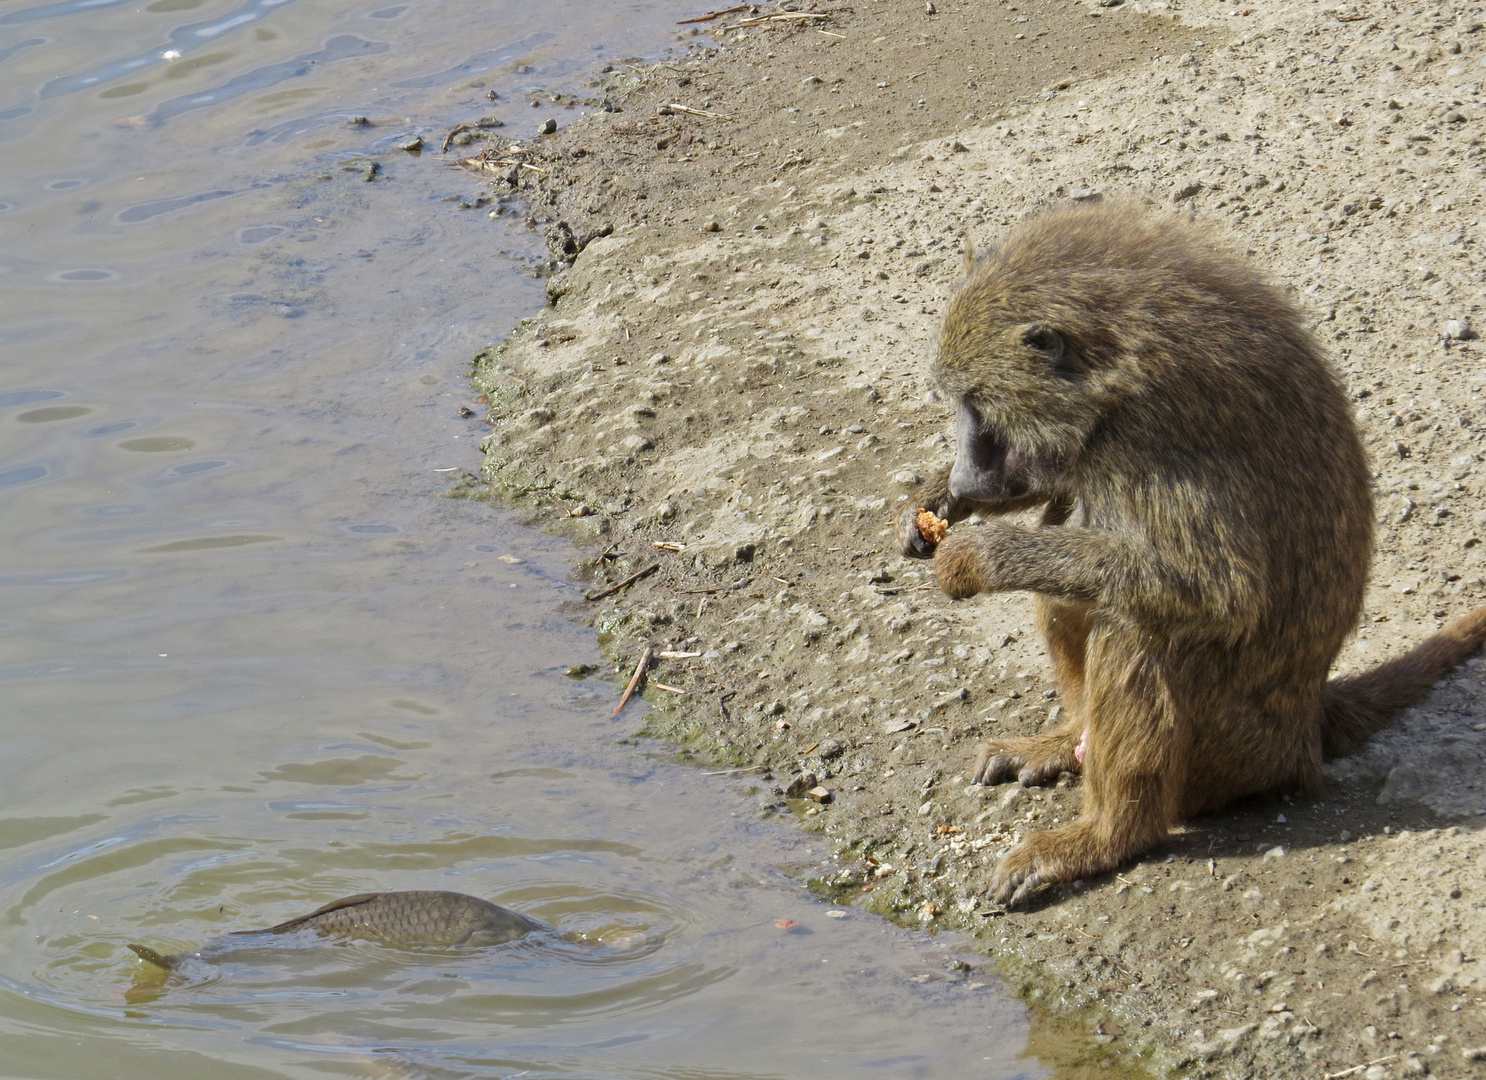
<point>340,47</point>
<point>182,40</point>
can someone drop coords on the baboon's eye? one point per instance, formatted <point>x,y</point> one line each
<point>1052,345</point>
<point>1043,338</point>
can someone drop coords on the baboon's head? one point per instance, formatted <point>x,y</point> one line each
<point>1026,385</point>
<point>1068,329</point>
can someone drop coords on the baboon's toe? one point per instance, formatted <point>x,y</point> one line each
<point>996,768</point>
<point>1016,878</point>
<point>1039,773</point>
<point>1030,884</point>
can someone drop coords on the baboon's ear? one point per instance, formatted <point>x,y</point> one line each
<point>969,255</point>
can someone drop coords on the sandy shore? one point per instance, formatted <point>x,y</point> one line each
<point>761,238</point>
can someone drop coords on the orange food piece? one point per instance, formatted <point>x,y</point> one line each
<point>931,527</point>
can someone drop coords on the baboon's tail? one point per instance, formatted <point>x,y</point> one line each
<point>1354,707</point>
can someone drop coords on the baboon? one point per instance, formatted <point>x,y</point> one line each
<point>1205,534</point>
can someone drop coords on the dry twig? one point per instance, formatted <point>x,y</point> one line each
<point>612,589</point>
<point>720,589</point>
<point>715,14</point>
<point>455,130</point>
<point>781,16</point>
<point>1358,1068</point>
<point>674,107</point>
<point>634,681</point>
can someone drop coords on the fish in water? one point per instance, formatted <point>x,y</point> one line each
<point>407,919</point>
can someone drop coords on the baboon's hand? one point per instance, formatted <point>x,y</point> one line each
<point>910,541</point>
<point>961,564</point>
<point>1047,858</point>
<point>934,496</point>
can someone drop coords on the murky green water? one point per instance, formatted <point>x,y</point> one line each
<point>251,659</point>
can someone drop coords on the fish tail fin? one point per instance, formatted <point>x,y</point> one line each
<point>144,952</point>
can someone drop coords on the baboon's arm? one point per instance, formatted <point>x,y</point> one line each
<point>1079,565</point>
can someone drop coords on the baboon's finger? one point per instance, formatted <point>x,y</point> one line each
<point>910,541</point>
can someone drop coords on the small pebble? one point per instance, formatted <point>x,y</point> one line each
<point>549,127</point>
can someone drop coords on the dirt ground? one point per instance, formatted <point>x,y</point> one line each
<point>761,233</point>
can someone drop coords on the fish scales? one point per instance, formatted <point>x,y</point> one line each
<point>426,918</point>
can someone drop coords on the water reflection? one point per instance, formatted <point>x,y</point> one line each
<point>58,412</point>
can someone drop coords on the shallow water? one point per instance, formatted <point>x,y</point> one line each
<point>252,659</point>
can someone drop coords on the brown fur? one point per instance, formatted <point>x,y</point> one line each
<point>1206,534</point>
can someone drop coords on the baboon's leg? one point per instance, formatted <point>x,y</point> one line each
<point>1042,758</point>
<point>1134,777</point>
<point>1065,628</point>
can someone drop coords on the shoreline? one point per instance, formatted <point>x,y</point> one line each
<point>761,238</point>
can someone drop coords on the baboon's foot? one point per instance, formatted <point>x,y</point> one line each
<point>1048,858</point>
<point>1038,760</point>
